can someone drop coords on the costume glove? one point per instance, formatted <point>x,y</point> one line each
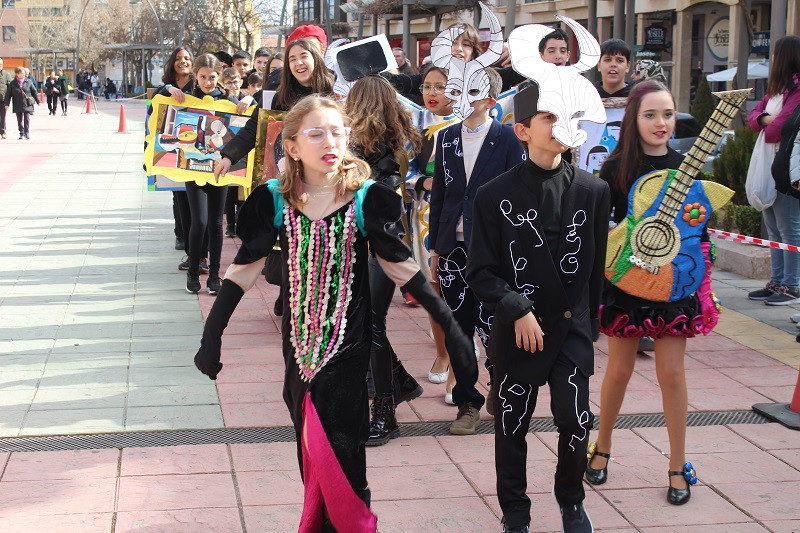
<point>460,348</point>
<point>207,359</point>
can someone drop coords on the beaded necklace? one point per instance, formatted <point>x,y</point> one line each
<point>320,284</point>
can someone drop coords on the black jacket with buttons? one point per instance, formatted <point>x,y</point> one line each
<point>512,272</point>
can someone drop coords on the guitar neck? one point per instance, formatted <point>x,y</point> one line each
<point>721,118</point>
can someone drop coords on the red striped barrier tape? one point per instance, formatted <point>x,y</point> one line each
<point>752,240</point>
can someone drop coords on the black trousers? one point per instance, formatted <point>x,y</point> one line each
<point>63,100</point>
<point>382,356</point>
<point>176,215</point>
<point>515,403</point>
<point>206,204</point>
<point>3,118</point>
<point>467,310</point>
<point>24,123</point>
<point>52,102</point>
<point>181,200</point>
<point>232,205</point>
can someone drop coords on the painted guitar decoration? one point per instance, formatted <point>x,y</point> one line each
<point>655,253</point>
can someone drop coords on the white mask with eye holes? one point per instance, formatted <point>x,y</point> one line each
<point>467,81</point>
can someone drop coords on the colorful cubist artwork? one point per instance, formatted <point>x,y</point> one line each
<point>601,139</point>
<point>184,140</point>
<point>269,155</point>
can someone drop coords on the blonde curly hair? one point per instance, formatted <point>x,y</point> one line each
<point>352,172</point>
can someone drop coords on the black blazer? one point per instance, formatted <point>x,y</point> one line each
<point>19,96</point>
<point>451,196</point>
<point>513,272</point>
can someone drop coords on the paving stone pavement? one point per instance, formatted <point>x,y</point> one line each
<point>98,336</point>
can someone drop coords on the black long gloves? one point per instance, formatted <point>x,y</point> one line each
<point>207,359</point>
<point>459,346</point>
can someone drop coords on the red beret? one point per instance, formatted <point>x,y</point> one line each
<point>308,30</point>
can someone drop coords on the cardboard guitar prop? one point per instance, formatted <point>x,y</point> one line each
<point>655,252</point>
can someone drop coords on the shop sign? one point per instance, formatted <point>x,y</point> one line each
<point>718,38</point>
<point>761,42</point>
<point>655,38</point>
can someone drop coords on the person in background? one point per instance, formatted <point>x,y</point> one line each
<point>782,218</point>
<point>63,81</point>
<point>51,90</point>
<point>5,79</point>
<point>95,80</point>
<point>22,95</point>
<point>403,64</point>
<point>255,83</point>
<point>260,61</point>
<point>241,62</point>
<point>554,48</point>
<point>275,63</point>
<point>615,62</point>
<point>311,32</point>
<point>110,90</point>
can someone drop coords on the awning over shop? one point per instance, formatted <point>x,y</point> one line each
<point>756,70</point>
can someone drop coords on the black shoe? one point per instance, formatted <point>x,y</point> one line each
<point>184,264</point>
<point>213,285</point>
<point>517,529</point>
<point>230,231</point>
<point>203,266</point>
<point>179,245</point>
<point>574,519</point>
<point>277,309</point>
<point>192,282</point>
<point>406,387</point>
<point>681,496</point>
<point>593,475</point>
<point>383,426</point>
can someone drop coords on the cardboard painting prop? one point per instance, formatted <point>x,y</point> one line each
<point>184,140</point>
<point>268,154</point>
<point>602,138</point>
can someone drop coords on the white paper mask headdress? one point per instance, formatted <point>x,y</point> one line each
<point>562,90</point>
<point>467,81</point>
<point>352,61</point>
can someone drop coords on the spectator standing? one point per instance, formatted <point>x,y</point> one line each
<point>241,62</point>
<point>22,95</point>
<point>5,80</point>
<point>615,62</point>
<point>95,81</point>
<point>275,63</point>
<point>260,61</point>
<point>782,217</point>
<point>403,65</point>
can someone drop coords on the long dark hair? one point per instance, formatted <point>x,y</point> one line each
<point>169,66</point>
<point>785,64</point>
<point>628,152</point>
<point>290,89</point>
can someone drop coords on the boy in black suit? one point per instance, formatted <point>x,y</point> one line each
<point>543,229</point>
<point>468,155</point>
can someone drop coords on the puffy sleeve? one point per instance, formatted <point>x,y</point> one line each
<point>383,211</point>
<point>256,226</point>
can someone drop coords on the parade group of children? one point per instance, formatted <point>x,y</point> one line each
<point>517,245</point>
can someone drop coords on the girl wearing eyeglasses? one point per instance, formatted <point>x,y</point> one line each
<point>327,215</point>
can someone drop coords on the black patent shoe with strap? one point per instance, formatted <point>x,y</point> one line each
<point>593,475</point>
<point>680,496</point>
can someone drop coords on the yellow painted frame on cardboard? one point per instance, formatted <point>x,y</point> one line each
<point>160,107</point>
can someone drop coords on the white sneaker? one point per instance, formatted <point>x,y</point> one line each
<point>448,398</point>
<point>795,318</point>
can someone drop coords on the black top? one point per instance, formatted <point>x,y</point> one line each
<point>619,199</point>
<point>622,93</point>
<point>550,186</point>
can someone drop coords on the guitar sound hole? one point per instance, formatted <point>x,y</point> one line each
<point>656,239</point>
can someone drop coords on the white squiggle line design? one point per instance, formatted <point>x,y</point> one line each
<point>448,178</point>
<point>450,276</point>
<point>484,333</point>
<point>506,208</point>
<point>526,289</point>
<point>583,418</point>
<point>508,408</point>
<point>569,263</point>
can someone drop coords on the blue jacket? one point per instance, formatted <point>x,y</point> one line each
<point>451,196</point>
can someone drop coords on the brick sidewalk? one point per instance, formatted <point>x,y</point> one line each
<point>98,335</point>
